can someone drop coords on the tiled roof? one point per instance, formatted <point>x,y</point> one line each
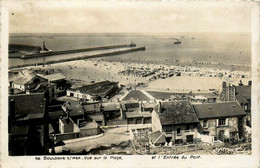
<point>241,99</point>
<point>136,95</point>
<point>244,91</point>
<point>96,88</point>
<point>54,77</point>
<point>23,79</point>
<point>177,112</point>
<point>25,104</point>
<point>162,95</point>
<point>216,110</point>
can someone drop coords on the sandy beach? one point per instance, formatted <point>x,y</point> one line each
<point>192,78</point>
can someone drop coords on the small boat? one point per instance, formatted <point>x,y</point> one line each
<point>131,44</point>
<point>177,41</point>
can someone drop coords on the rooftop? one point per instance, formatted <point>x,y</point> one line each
<point>23,79</point>
<point>244,91</point>
<point>25,104</point>
<point>92,107</point>
<point>54,77</point>
<point>241,99</point>
<point>162,95</point>
<point>28,78</point>
<point>136,95</point>
<point>74,108</point>
<point>216,110</point>
<point>176,112</point>
<point>111,106</point>
<point>96,88</point>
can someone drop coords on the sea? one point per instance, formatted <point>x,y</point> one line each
<point>220,48</point>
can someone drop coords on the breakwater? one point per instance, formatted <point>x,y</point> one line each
<point>113,53</point>
<point>51,53</point>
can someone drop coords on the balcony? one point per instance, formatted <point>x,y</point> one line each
<point>190,130</point>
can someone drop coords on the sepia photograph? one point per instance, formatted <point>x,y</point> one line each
<point>115,79</point>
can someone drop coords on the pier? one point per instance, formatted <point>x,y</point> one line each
<point>106,54</point>
<point>51,53</point>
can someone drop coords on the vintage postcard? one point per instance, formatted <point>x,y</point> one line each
<point>129,83</point>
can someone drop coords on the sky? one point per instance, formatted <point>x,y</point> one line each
<point>132,17</point>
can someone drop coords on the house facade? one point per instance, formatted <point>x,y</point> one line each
<point>224,121</point>
<point>177,120</point>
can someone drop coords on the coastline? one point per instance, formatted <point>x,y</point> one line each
<point>82,72</point>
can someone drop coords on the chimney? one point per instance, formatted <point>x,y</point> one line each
<point>250,82</point>
<point>160,107</point>
<point>224,84</point>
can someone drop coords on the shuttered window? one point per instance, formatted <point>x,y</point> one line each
<point>223,122</point>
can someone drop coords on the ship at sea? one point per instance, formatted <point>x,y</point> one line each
<point>177,41</point>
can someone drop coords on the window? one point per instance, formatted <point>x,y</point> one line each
<point>178,130</point>
<point>205,123</point>
<point>221,122</point>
